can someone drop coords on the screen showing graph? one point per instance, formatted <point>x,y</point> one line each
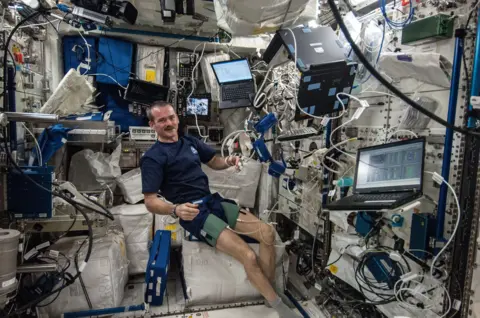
<point>390,166</point>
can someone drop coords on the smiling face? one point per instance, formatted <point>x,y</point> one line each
<point>164,121</point>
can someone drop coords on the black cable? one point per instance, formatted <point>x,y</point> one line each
<point>335,261</point>
<point>70,281</point>
<point>74,203</point>
<point>110,52</point>
<point>46,18</point>
<point>13,61</point>
<point>85,292</point>
<point>383,81</point>
<point>7,44</point>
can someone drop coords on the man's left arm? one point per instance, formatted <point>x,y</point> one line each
<point>208,157</point>
<point>221,163</point>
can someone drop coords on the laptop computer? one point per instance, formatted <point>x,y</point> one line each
<point>236,83</point>
<point>386,177</point>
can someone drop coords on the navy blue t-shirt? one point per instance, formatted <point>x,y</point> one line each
<point>175,170</point>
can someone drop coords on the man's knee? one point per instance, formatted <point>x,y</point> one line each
<point>250,259</point>
<point>267,234</point>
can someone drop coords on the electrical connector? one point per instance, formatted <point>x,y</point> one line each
<point>364,103</point>
<point>437,178</point>
<point>358,113</point>
<point>395,256</point>
<point>408,277</point>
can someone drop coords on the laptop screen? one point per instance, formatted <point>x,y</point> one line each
<point>232,71</point>
<point>391,167</point>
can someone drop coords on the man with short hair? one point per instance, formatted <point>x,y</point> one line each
<point>173,165</point>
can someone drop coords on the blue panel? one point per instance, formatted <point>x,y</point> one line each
<point>307,79</point>
<point>347,90</point>
<point>306,109</point>
<point>118,53</point>
<point>345,101</point>
<point>420,234</point>
<point>38,207</point>
<point>363,222</point>
<point>352,70</point>
<point>291,48</point>
<point>311,87</point>
<point>336,105</point>
<point>157,268</point>
<point>332,91</point>
<point>110,98</point>
<point>312,110</point>
<point>307,30</point>
<point>71,59</point>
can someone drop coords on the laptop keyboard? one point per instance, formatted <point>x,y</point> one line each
<point>236,92</point>
<point>378,197</point>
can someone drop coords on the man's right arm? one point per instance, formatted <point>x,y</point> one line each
<point>155,205</point>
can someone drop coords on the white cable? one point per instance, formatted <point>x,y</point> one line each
<point>39,24</point>
<point>437,176</point>
<point>40,159</point>
<point>193,88</point>
<point>88,54</point>
<point>338,163</point>
<point>100,74</point>
<point>259,92</point>
<point>334,145</point>
<point>228,137</point>
<point>402,130</point>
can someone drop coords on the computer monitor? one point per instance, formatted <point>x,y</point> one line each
<point>392,167</point>
<point>144,92</point>
<point>199,105</point>
<point>232,71</point>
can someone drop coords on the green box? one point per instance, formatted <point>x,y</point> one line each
<point>439,26</point>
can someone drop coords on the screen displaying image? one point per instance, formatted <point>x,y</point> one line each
<point>198,106</point>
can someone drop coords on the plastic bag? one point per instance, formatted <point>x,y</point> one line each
<point>105,276</point>
<point>239,186</point>
<point>136,222</point>
<point>131,185</point>
<point>72,92</point>
<point>92,171</point>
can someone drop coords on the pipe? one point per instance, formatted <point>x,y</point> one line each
<point>12,106</point>
<point>105,311</point>
<point>37,268</point>
<point>447,150</point>
<point>160,34</point>
<point>32,117</point>
<point>328,132</point>
<point>475,87</point>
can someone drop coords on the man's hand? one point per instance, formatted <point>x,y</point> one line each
<point>233,161</point>
<point>187,211</point>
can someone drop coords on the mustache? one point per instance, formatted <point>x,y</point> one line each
<point>170,128</point>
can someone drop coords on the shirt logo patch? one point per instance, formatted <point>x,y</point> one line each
<point>194,151</point>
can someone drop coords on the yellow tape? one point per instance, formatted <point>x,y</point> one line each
<point>150,75</point>
<point>172,228</point>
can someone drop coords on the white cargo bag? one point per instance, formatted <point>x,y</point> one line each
<point>131,185</point>
<point>136,222</point>
<point>105,275</point>
<point>168,223</point>
<point>240,186</point>
<point>213,277</point>
<point>251,17</point>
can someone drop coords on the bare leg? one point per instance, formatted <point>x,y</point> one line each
<point>232,244</point>
<point>265,235</point>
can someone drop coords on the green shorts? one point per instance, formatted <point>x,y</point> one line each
<point>214,225</point>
